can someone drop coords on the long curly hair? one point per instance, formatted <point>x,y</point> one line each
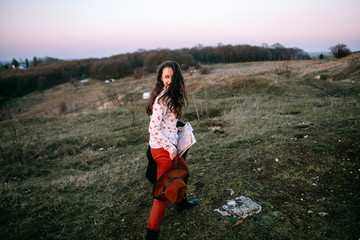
<point>175,97</point>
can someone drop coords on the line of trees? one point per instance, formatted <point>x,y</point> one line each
<point>48,72</point>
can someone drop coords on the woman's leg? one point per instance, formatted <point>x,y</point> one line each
<point>162,158</point>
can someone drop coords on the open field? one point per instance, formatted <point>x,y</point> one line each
<point>73,165</point>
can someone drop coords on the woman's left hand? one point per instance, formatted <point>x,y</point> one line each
<point>173,155</point>
<point>180,129</point>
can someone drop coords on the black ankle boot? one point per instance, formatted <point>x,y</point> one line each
<point>152,235</point>
<point>185,204</point>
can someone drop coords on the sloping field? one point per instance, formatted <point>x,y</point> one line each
<point>292,144</point>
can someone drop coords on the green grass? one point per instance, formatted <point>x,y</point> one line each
<point>291,145</point>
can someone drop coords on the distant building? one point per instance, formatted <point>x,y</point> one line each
<point>22,65</point>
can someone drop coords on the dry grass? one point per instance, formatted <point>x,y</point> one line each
<point>291,145</point>
<point>82,98</point>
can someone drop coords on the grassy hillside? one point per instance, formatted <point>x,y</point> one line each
<point>73,164</point>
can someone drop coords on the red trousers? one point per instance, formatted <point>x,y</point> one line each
<point>162,158</point>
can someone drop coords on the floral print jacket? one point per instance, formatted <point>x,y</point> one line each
<point>162,128</point>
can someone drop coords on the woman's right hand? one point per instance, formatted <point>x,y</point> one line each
<point>173,155</point>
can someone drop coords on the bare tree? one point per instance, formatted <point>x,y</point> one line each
<point>340,50</point>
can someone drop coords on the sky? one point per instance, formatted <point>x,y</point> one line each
<point>76,29</point>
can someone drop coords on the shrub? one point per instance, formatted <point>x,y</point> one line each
<point>62,108</point>
<point>340,50</point>
<point>17,148</point>
<point>284,69</point>
<point>129,101</point>
<point>204,70</point>
<point>112,95</point>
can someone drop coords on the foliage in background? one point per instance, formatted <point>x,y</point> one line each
<point>49,72</point>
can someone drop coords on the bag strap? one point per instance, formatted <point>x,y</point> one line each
<point>169,182</point>
<point>172,162</point>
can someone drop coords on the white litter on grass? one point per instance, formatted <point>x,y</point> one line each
<point>231,191</point>
<point>239,207</point>
<point>323,214</point>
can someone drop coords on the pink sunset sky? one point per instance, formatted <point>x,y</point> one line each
<point>72,29</point>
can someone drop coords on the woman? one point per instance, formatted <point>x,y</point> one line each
<point>165,108</point>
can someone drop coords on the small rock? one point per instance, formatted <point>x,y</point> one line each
<point>146,95</point>
<point>323,214</point>
<point>304,125</point>
<point>214,128</point>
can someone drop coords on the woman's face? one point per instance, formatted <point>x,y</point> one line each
<point>166,76</point>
